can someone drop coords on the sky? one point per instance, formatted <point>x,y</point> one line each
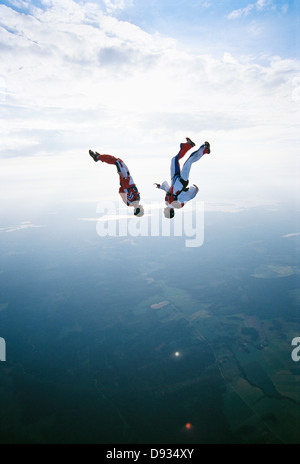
<point>133,78</point>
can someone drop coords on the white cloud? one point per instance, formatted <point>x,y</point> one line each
<point>19,4</point>
<point>264,4</point>
<point>3,89</point>
<point>260,5</point>
<point>76,78</point>
<point>23,226</point>
<point>57,58</point>
<point>113,5</point>
<point>236,14</point>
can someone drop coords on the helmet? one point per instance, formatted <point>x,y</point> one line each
<point>169,213</point>
<point>139,211</point>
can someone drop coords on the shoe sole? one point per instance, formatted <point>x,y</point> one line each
<point>190,142</point>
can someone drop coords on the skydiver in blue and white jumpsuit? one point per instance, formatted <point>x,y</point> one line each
<point>178,194</point>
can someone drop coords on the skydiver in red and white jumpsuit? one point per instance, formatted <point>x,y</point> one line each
<point>179,194</point>
<point>128,190</point>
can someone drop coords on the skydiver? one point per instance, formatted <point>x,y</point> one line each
<point>128,190</point>
<point>179,194</point>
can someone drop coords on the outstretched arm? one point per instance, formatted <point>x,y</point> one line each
<point>164,186</point>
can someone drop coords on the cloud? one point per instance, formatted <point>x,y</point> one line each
<point>75,78</point>
<point>113,5</point>
<point>22,226</point>
<point>123,58</point>
<point>259,6</point>
<point>61,59</point>
<point>76,58</point>
<point>264,4</point>
<point>2,89</point>
<point>295,234</point>
<point>236,14</point>
<point>161,305</point>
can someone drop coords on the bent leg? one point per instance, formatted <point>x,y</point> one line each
<point>123,170</point>
<point>196,156</point>
<point>184,148</point>
<point>175,166</point>
<point>108,159</point>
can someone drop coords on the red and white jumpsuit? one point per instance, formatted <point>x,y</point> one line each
<point>128,190</point>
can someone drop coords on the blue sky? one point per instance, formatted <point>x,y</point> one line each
<point>241,26</point>
<point>133,78</point>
